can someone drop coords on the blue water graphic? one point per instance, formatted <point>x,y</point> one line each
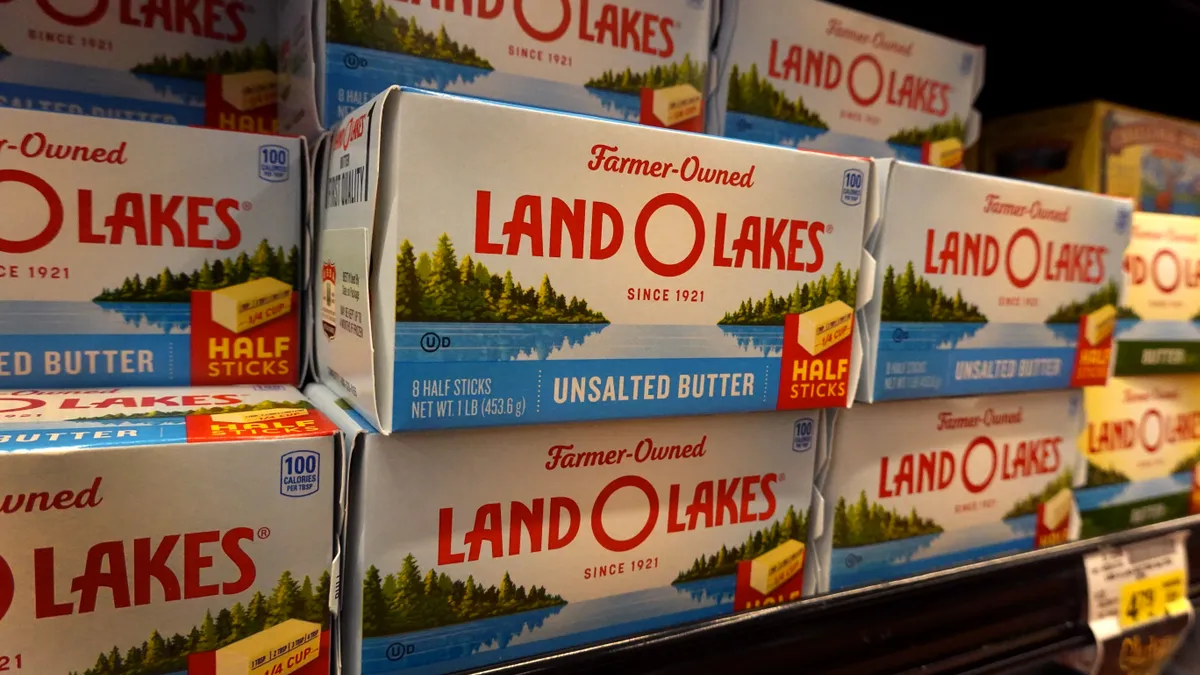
<point>536,373</point>
<point>919,360</point>
<point>20,317</point>
<point>873,563</point>
<point>1101,496</point>
<point>775,132</point>
<point>357,74</point>
<point>489,641</point>
<point>1156,330</point>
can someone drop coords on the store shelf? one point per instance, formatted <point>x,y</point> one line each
<point>983,618</point>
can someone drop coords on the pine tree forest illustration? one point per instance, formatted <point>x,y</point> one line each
<point>376,25</point>
<point>916,136</point>
<point>863,523</point>
<point>771,310</point>
<point>1028,505</point>
<point>406,600</point>
<point>259,57</point>
<point>168,286</point>
<point>439,287</point>
<point>1187,464</point>
<point>1108,294</point>
<point>724,561</point>
<point>1098,476</point>
<point>160,654</point>
<point>751,94</point>
<point>658,77</point>
<point>214,410</point>
<point>910,297</point>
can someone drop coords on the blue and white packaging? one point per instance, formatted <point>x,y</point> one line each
<point>809,74</point>
<point>485,264</point>
<point>986,285</point>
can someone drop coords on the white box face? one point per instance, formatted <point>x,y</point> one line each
<point>1141,447</point>
<point>560,54</point>
<point>608,279</point>
<point>985,289</point>
<point>611,536</point>
<point>139,60</point>
<point>813,75</point>
<point>962,479</point>
<point>124,522</point>
<point>1158,331</point>
<point>116,234</point>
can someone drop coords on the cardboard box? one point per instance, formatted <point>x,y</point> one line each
<point>987,288</point>
<point>591,270</point>
<point>1141,445</point>
<point>122,244</point>
<point>959,480</point>
<point>1105,148</point>
<point>132,519</point>
<point>610,528</point>
<point>632,60</point>
<point>1158,324</point>
<point>187,63</point>
<point>809,74</point>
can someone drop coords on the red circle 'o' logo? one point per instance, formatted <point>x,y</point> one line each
<point>86,19</point>
<point>52,228</point>
<point>12,405</point>
<point>544,35</point>
<point>8,588</point>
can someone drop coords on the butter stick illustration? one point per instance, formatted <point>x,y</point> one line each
<point>676,104</point>
<point>1100,324</point>
<point>824,327</point>
<point>252,416</point>
<point>242,307</point>
<point>945,153</point>
<point>773,568</point>
<point>249,91</point>
<point>1057,509</point>
<point>279,650</point>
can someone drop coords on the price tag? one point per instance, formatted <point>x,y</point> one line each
<point>1138,608</point>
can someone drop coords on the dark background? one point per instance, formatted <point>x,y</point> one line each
<point>1143,53</point>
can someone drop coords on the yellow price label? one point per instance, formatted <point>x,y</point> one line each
<point>1147,599</point>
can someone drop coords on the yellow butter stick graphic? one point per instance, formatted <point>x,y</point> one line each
<point>824,327</point>
<point>252,416</point>
<point>242,307</point>
<point>248,91</point>
<point>279,650</point>
<point>676,104</point>
<point>1099,324</point>
<point>945,153</point>
<point>1057,509</point>
<point>773,568</point>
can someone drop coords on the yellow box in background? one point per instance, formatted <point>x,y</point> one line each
<point>242,307</point>
<point>824,327</point>
<point>773,568</point>
<point>278,650</point>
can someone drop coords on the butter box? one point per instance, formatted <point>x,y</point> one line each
<point>520,541</point>
<point>137,254</point>
<point>960,480</point>
<point>1158,331</point>
<point>995,286</point>
<point>135,527</point>
<point>590,270</point>
<point>1102,147</point>
<point>1141,444</point>
<point>209,63</point>
<point>809,74</point>
<point>635,60</point>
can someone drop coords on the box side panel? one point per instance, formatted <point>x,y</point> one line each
<point>1055,146</point>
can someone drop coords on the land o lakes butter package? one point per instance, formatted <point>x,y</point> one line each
<point>1142,445</point>
<point>1158,324</point>
<point>995,286</point>
<point>809,74</point>
<point>471,547</point>
<point>960,480</point>
<point>166,530</point>
<point>635,60</point>
<point>528,266</point>
<point>135,254</point>
<point>209,63</point>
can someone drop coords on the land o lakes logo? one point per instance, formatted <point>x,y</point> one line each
<point>8,588</point>
<point>329,299</point>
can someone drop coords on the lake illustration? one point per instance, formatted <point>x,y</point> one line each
<point>373,71</point>
<point>1102,496</point>
<point>774,132</point>
<point>540,342</point>
<point>21,317</point>
<point>872,563</point>
<point>905,336</point>
<point>1152,330</point>
<point>489,641</point>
